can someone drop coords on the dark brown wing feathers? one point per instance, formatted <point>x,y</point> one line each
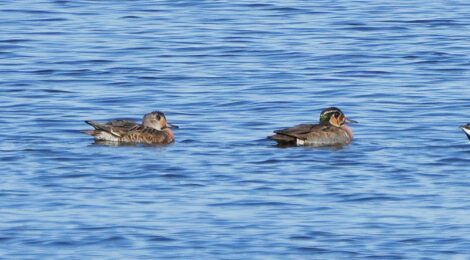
<point>103,127</point>
<point>297,131</point>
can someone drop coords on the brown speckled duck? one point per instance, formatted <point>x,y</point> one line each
<point>331,131</point>
<point>154,129</point>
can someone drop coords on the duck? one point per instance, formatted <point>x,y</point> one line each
<point>330,131</point>
<point>466,130</point>
<point>155,129</point>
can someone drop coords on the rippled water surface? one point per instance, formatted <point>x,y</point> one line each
<point>228,73</point>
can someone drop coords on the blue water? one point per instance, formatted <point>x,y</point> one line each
<point>228,73</point>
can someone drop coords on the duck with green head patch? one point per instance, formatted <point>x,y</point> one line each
<point>330,131</point>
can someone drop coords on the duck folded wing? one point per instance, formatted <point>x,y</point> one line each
<point>291,134</point>
<point>115,131</point>
<point>123,123</point>
<point>316,135</point>
<point>297,130</point>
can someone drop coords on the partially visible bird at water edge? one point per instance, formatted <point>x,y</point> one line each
<point>466,130</point>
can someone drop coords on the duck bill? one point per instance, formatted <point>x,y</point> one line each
<point>172,126</point>
<point>350,121</point>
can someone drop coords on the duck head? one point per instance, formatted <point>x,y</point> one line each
<point>156,120</point>
<point>334,116</point>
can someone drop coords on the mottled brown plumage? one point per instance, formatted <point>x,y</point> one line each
<point>154,130</point>
<point>331,131</point>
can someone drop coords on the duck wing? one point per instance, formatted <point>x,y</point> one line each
<point>290,134</point>
<point>123,123</point>
<point>116,128</point>
<point>297,130</point>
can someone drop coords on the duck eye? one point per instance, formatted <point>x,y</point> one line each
<point>336,114</point>
<point>158,117</point>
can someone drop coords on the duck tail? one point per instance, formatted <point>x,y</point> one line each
<point>95,124</point>
<point>89,132</point>
<point>102,129</point>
